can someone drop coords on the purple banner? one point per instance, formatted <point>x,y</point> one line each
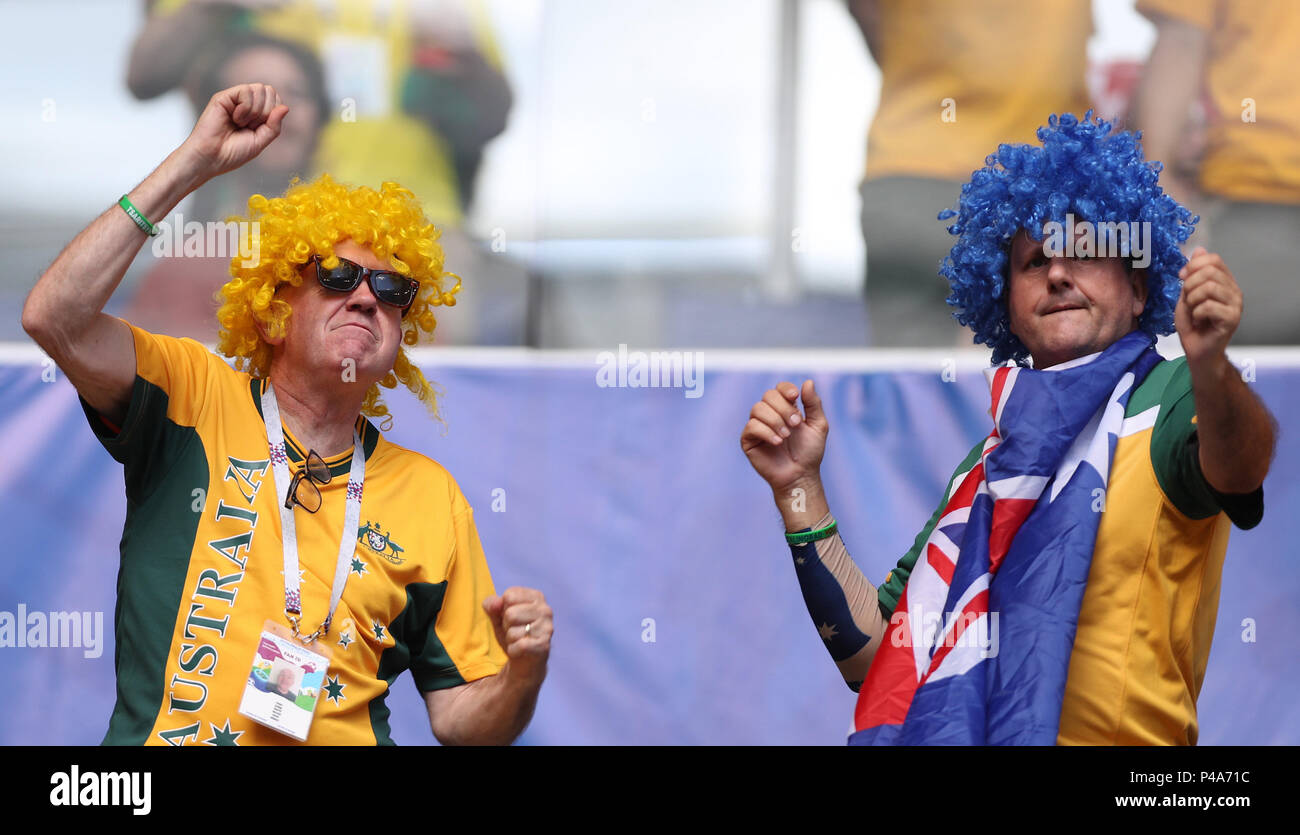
<point>678,619</point>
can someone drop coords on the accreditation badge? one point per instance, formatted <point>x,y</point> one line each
<point>284,683</point>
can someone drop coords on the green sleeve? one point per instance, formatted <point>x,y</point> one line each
<point>892,589</point>
<point>147,443</point>
<point>1175,454</point>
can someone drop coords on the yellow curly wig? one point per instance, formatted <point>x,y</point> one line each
<point>309,220</point>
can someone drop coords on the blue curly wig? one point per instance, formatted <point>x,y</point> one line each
<point>1082,168</point>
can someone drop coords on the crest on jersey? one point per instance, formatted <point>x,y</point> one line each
<point>380,543</point>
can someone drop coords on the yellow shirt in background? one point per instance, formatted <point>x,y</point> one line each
<point>1253,53</point>
<point>1005,65</point>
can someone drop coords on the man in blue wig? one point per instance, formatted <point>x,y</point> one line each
<point>1066,587</point>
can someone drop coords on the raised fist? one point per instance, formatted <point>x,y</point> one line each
<point>237,124</point>
<point>784,446</point>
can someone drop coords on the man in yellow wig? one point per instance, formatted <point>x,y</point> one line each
<point>268,522</point>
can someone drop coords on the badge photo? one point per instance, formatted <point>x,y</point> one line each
<point>284,684</point>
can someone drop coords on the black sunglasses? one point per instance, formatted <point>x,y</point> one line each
<point>314,471</point>
<point>388,286</point>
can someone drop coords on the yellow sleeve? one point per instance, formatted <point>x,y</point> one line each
<point>173,385</point>
<point>462,644</point>
<point>182,370</point>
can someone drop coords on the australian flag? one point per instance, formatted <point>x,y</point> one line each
<point>978,648</point>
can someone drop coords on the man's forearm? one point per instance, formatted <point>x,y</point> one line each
<point>842,603</point>
<point>75,288</point>
<point>490,711</point>
<point>801,504</point>
<point>1236,431</point>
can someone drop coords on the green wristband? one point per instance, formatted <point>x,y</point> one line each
<point>805,537</point>
<point>135,215</point>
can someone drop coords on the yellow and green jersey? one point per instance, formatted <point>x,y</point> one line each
<point>1148,612</point>
<point>202,567</point>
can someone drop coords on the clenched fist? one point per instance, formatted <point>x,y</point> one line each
<point>521,619</point>
<point>784,446</point>
<point>1209,308</point>
<point>237,124</point>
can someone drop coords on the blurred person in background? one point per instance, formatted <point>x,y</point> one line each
<point>1243,56</point>
<point>294,71</point>
<point>957,79</point>
<point>179,295</point>
<point>415,90</point>
<point>416,87</point>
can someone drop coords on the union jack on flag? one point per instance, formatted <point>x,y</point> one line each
<point>978,647</point>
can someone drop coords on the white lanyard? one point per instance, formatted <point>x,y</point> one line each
<point>351,518</point>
